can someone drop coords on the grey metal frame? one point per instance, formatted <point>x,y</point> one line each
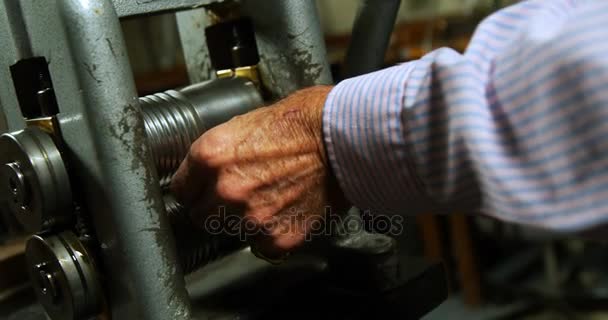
<point>128,8</point>
<point>103,129</point>
<point>289,37</point>
<point>291,44</point>
<point>191,25</point>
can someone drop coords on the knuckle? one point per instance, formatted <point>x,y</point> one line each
<point>230,191</point>
<point>201,151</point>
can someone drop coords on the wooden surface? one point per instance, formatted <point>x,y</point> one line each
<point>453,245</point>
<point>464,252</point>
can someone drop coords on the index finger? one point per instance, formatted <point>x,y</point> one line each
<point>191,179</point>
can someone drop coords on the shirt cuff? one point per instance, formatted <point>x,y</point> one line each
<point>363,135</point>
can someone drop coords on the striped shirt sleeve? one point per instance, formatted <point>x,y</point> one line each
<point>514,128</point>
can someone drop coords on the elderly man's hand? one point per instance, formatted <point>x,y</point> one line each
<point>271,165</point>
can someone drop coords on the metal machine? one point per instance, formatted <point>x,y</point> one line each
<point>86,162</point>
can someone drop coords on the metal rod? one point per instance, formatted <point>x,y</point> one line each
<point>371,36</point>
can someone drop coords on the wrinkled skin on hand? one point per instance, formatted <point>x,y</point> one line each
<point>270,166</point>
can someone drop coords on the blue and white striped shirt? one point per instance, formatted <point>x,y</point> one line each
<point>516,127</point>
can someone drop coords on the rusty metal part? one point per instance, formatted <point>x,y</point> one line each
<point>64,276</point>
<point>174,119</point>
<point>34,180</point>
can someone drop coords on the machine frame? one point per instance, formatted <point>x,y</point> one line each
<point>102,129</point>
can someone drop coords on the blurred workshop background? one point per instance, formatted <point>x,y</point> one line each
<point>496,270</point>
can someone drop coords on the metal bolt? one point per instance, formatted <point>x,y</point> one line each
<point>17,184</point>
<point>47,284</point>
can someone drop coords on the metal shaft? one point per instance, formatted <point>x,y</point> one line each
<point>176,118</point>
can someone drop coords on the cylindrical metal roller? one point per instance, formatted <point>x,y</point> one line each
<point>64,276</point>
<point>176,118</point>
<point>33,179</point>
<point>198,247</point>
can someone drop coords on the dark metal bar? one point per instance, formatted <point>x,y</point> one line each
<point>370,36</point>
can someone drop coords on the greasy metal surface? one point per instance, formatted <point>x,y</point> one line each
<point>125,8</point>
<point>291,44</point>
<point>371,35</point>
<point>34,180</point>
<point>191,26</point>
<point>176,118</point>
<point>102,125</point>
<point>63,276</point>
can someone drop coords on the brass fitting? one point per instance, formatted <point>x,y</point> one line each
<point>249,72</point>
